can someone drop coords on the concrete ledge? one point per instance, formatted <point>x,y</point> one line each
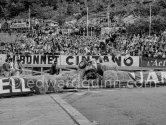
<point>72,112</point>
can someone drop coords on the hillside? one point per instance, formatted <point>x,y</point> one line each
<point>60,10</point>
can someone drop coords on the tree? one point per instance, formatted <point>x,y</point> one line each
<point>70,9</point>
<point>3,9</point>
<point>163,13</point>
<point>139,27</point>
<point>161,3</point>
<point>53,3</point>
<point>158,24</point>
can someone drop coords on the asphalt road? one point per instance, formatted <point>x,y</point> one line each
<point>32,110</point>
<point>145,106</point>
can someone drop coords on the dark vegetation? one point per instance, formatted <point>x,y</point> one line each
<point>62,10</point>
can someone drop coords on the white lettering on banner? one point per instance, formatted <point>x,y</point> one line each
<point>147,77</point>
<point>24,89</point>
<point>163,77</point>
<point>14,86</point>
<point>4,82</point>
<point>152,77</point>
<point>138,76</point>
<point>130,61</point>
<point>132,74</point>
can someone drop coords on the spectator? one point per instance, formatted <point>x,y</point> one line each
<point>6,68</point>
<point>53,69</point>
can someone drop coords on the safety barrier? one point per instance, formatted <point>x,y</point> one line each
<point>41,84</point>
<point>69,61</point>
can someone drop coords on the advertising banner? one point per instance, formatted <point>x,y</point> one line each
<point>19,25</point>
<point>130,61</point>
<point>64,60</point>
<point>75,60</point>
<point>149,76</point>
<point>38,60</point>
<point>134,79</point>
<point>67,60</point>
<point>153,62</point>
<point>40,84</point>
<point>12,86</point>
<point>43,83</point>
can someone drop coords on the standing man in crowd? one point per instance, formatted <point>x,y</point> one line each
<point>53,69</point>
<point>6,68</point>
<point>18,67</point>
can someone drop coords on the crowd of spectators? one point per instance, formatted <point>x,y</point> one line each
<point>39,42</point>
<point>147,46</point>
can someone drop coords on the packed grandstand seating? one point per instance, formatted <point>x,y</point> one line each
<point>39,41</point>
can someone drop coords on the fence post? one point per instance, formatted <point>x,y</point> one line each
<point>60,70</point>
<point>42,71</point>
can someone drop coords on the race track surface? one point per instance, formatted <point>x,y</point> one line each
<point>32,110</point>
<point>144,106</point>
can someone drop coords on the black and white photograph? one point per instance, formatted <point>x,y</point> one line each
<point>82,62</point>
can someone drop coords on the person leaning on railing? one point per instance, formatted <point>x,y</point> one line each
<point>6,68</point>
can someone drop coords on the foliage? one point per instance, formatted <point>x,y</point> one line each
<point>141,26</point>
<point>59,10</point>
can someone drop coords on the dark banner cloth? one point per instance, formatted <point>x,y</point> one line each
<point>153,62</point>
